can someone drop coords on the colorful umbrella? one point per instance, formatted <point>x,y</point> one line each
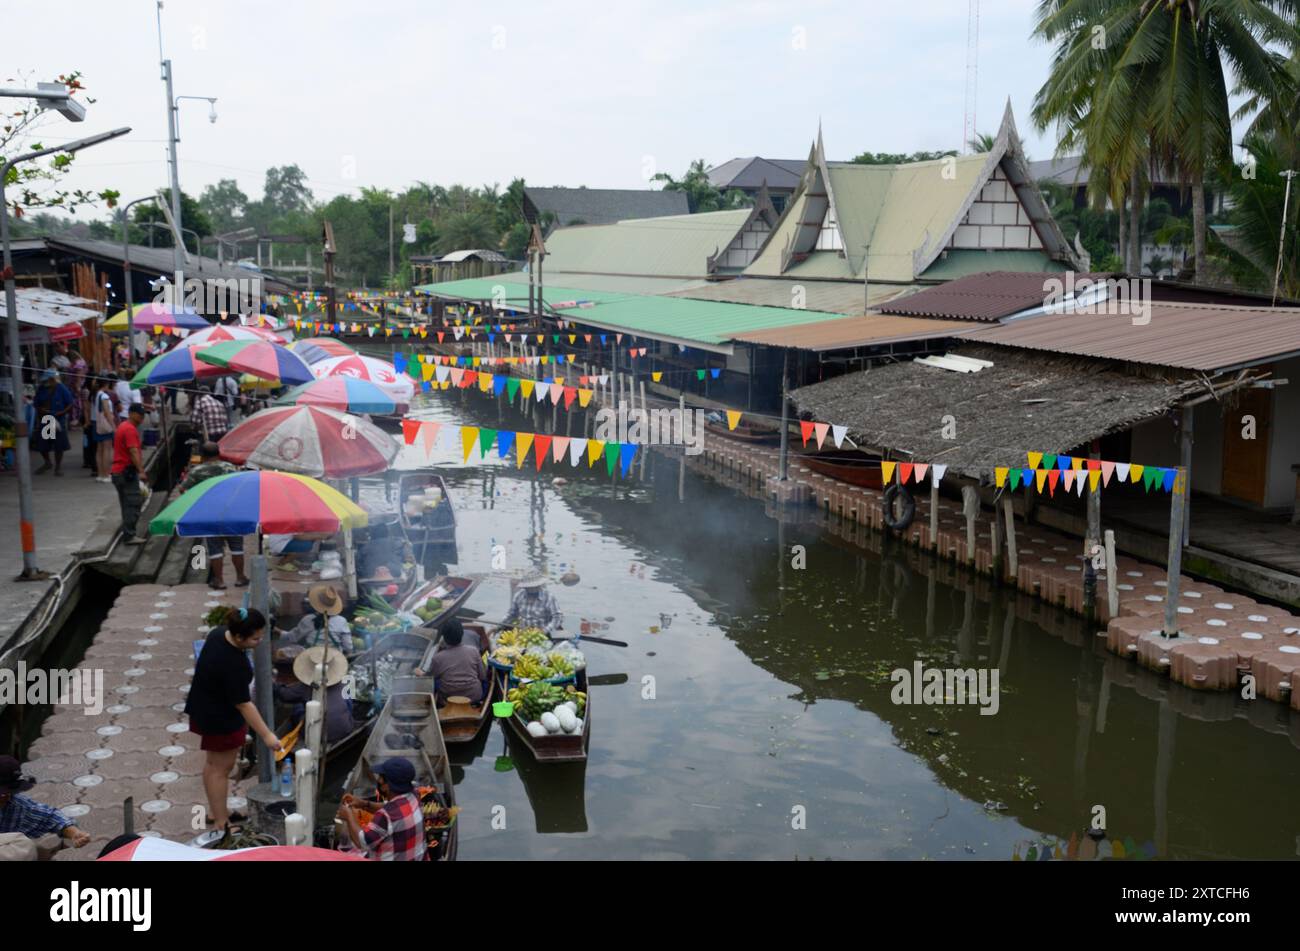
<point>242,503</point>
<point>175,366</point>
<point>378,372</point>
<point>154,315</point>
<point>268,361</point>
<point>223,332</point>
<point>316,349</point>
<point>311,441</point>
<point>343,393</point>
<point>149,849</point>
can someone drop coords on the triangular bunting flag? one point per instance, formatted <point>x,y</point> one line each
<point>805,430</point>
<point>611,457</point>
<point>576,448</point>
<point>699,374</point>
<point>1068,474</point>
<point>541,447</point>
<point>1027,477</point>
<point>594,449</point>
<point>486,437</point>
<point>1053,477</point>
<point>1041,476</point>
<point>821,429</point>
<point>1000,476</point>
<point>1135,472</point>
<point>557,393</point>
<point>904,472</point>
<point>559,446</point>
<point>1065,462</point>
<point>468,437</point>
<point>1107,470</point>
<point>1122,471</point>
<point>657,375</point>
<point>505,439</point>
<point>410,428</point>
<point>1015,479</point>
<point>733,417</point>
<point>1049,460</point>
<point>542,390</point>
<point>1094,477</point>
<point>1094,465</point>
<point>886,470</point>
<point>837,436</point>
<point>626,453</point>
<point>570,394</point>
<point>1034,459</point>
<point>512,387</point>
<point>918,473</point>
<point>937,473</point>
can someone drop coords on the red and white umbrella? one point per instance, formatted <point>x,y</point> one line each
<point>151,849</point>
<point>310,440</point>
<point>201,338</point>
<point>396,385</point>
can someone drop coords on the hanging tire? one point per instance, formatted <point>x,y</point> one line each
<point>908,504</point>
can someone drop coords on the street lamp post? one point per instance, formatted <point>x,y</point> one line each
<point>21,449</point>
<point>126,272</point>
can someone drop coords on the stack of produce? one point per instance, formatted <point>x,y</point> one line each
<point>429,610</point>
<point>549,708</point>
<point>374,615</point>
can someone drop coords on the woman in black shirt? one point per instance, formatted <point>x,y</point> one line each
<point>220,708</point>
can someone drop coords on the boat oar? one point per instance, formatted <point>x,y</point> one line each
<point>582,637</point>
<point>607,680</point>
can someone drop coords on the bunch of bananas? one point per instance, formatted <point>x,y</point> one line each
<point>506,655</point>
<point>532,637</point>
<point>577,696</point>
<point>537,698</point>
<point>508,638</point>
<point>528,667</point>
<point>559,664</point>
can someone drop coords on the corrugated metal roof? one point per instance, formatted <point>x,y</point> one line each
<point>607,283</point>
<point>990,295</point>
<point>602,206</point>
<point>1187,336</point>
<point>831,297</point>
<point>842,333</point>
<point>160,261</point>
<point>954,263</point>
<point>483,254</point>
<point>676,246</point>
<point>752,172</point>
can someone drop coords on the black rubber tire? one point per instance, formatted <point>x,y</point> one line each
<point>901,523</point>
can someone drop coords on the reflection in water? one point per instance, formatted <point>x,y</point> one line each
<point>772,692</point>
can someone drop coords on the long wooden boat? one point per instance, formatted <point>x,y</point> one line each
<point>555,747</point>
<point>745,432</point>
<point>426,526</point>
<point>408,728</point>
<point>452,590</point>
<point>462,722</point>
<point>846,465</point>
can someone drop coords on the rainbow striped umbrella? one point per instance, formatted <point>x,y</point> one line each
<point>175,366</point>
<point>221,333</point>
<point>316,349</point>
<point>310,440</point>
<point>244,503</point>
<point>344,393</point>
<point>268,361</point>
<point>155,315</point>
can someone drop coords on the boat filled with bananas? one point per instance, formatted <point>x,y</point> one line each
<point>553,720</point>
<point>527,654</point>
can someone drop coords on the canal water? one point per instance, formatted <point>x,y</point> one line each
<point>756,718</point>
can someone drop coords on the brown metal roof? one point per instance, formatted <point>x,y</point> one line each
<point>832,297</point>
<point>1187,336</point>
<point>990,295</point>
<point>866,330</point>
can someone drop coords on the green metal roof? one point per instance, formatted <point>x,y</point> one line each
<point>676,246</point>
<point>960,262</point>
<point>706,324</point>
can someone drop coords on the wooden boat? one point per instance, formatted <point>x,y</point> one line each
<point>556,747</point>
<point>408,728</point>
<point>426,526</point>
<point>462,721</point>
<point>745,431</point>
<point>846,465</point>
<point>451,590</point>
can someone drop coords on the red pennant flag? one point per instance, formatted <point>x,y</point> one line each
<point>540,445</point>
<point>805,430</point>
<point>1053,477</point>
<point>410,429</point>
<point>1094,465</point>
<point>569,393</point>
<point>904,472</point>
<point>440,336</point>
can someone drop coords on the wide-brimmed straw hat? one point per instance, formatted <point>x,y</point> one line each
<point>307,665</point>
<point>324,599</point>
<point>535,579</point>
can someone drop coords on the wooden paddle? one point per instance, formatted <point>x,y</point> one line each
<point>582,637</point>
<point>607,680</point>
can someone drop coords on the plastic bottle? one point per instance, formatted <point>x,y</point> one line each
<point>286,780</point>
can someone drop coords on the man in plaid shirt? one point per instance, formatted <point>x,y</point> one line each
<point>534,606</point>
<point>209,415</point>
<point>22,816</point>
<point>396,833</point>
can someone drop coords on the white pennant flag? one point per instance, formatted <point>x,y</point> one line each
<point>442,373</point>
<point>1121,470</point>
<point>576,449</point>
<point>1080,479</point>
<point>937,472</point>
<point>539,391</point>
<point>838,433</point>
<point>458,331</point>
<point>604,378</point>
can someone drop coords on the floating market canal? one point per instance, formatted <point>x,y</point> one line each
<point>756,718</point>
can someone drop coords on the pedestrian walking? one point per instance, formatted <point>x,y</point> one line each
<point>128,467</point>
<point>53,403</point>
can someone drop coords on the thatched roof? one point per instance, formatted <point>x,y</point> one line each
<point>1025,401</point>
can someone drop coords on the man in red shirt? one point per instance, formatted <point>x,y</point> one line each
<point>128,465</point>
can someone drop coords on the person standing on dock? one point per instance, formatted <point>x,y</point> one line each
<point>534,606</point>
<point>24,818</point>
<point>220,707</point>
<point>210,466</point>
<point>128,467</point>
<point>54,402</point>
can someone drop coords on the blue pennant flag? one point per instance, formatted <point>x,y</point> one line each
<point>626,453</point>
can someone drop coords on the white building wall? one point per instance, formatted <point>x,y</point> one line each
<point>996,220</point>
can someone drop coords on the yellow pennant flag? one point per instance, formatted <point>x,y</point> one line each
<point>1042,477</point>
<point>733,417</point>
<point>527,387</point>
<point>572,337</point>
<point>887,472</point>
<point>571,357</point>
<point>1076,463</point>
<point>559,381</point>
<point>1034,459</point>
<point>446,384</point>
<point>468,439</point>
<point>1093,478</point>
<point>657,375</point>
<point>595,449</point>
<point>478,361</point>
<point>1135,473</point>
<point>1000,475</point>
<point>524,441</point>
<point>584,397</point>
<point>426,371</point>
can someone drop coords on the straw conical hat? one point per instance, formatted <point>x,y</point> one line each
<point>307,665</point>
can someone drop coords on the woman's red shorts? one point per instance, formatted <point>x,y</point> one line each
<point>222,742</point>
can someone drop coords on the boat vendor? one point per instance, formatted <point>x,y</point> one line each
<point>210,466</point>
<point>296,671</point>
<point>396,833</point>
<point>327,607</point>
<point>457,668</point>
<point>220,707</point>
<point>534,606</point>
<point>23,821</point>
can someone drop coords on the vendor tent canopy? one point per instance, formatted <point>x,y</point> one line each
<point>50,316</point>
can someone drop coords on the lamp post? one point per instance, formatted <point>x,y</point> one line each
<point>21,449</point>
<point>126,271</point>
<point>1281,241</point>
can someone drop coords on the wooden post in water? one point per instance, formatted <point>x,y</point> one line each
<point>1112,582</point>
<point>1013,558</point>
<point>934,512</point>
<point>998,564</point>
<point>681,472</point>
<point>1175,563</point>
<point>785,415</point>
<point>260,594</point>
<point>970,506</point>
<point>645,422</point>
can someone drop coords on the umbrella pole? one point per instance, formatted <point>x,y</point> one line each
<point>260,592</point>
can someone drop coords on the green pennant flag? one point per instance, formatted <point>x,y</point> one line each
<point>406,332</point>
<point>555,338</point>
<point>1049,460</point>
<point>486,437</point>
<point>413,369</point>
<point>612,450</point>
<point>1148,476</point>
<point>699,374</point>
<point>512,387</point>
<point>1015,479</point>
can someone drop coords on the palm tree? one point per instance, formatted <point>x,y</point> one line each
<point>982,142</point>
<point>1139,84</point>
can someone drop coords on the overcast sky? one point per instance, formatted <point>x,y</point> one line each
<point>602,94</point>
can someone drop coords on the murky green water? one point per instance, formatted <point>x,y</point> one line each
<point>758,698</point>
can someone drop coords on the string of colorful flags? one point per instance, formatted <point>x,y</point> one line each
<point>542,445</point>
